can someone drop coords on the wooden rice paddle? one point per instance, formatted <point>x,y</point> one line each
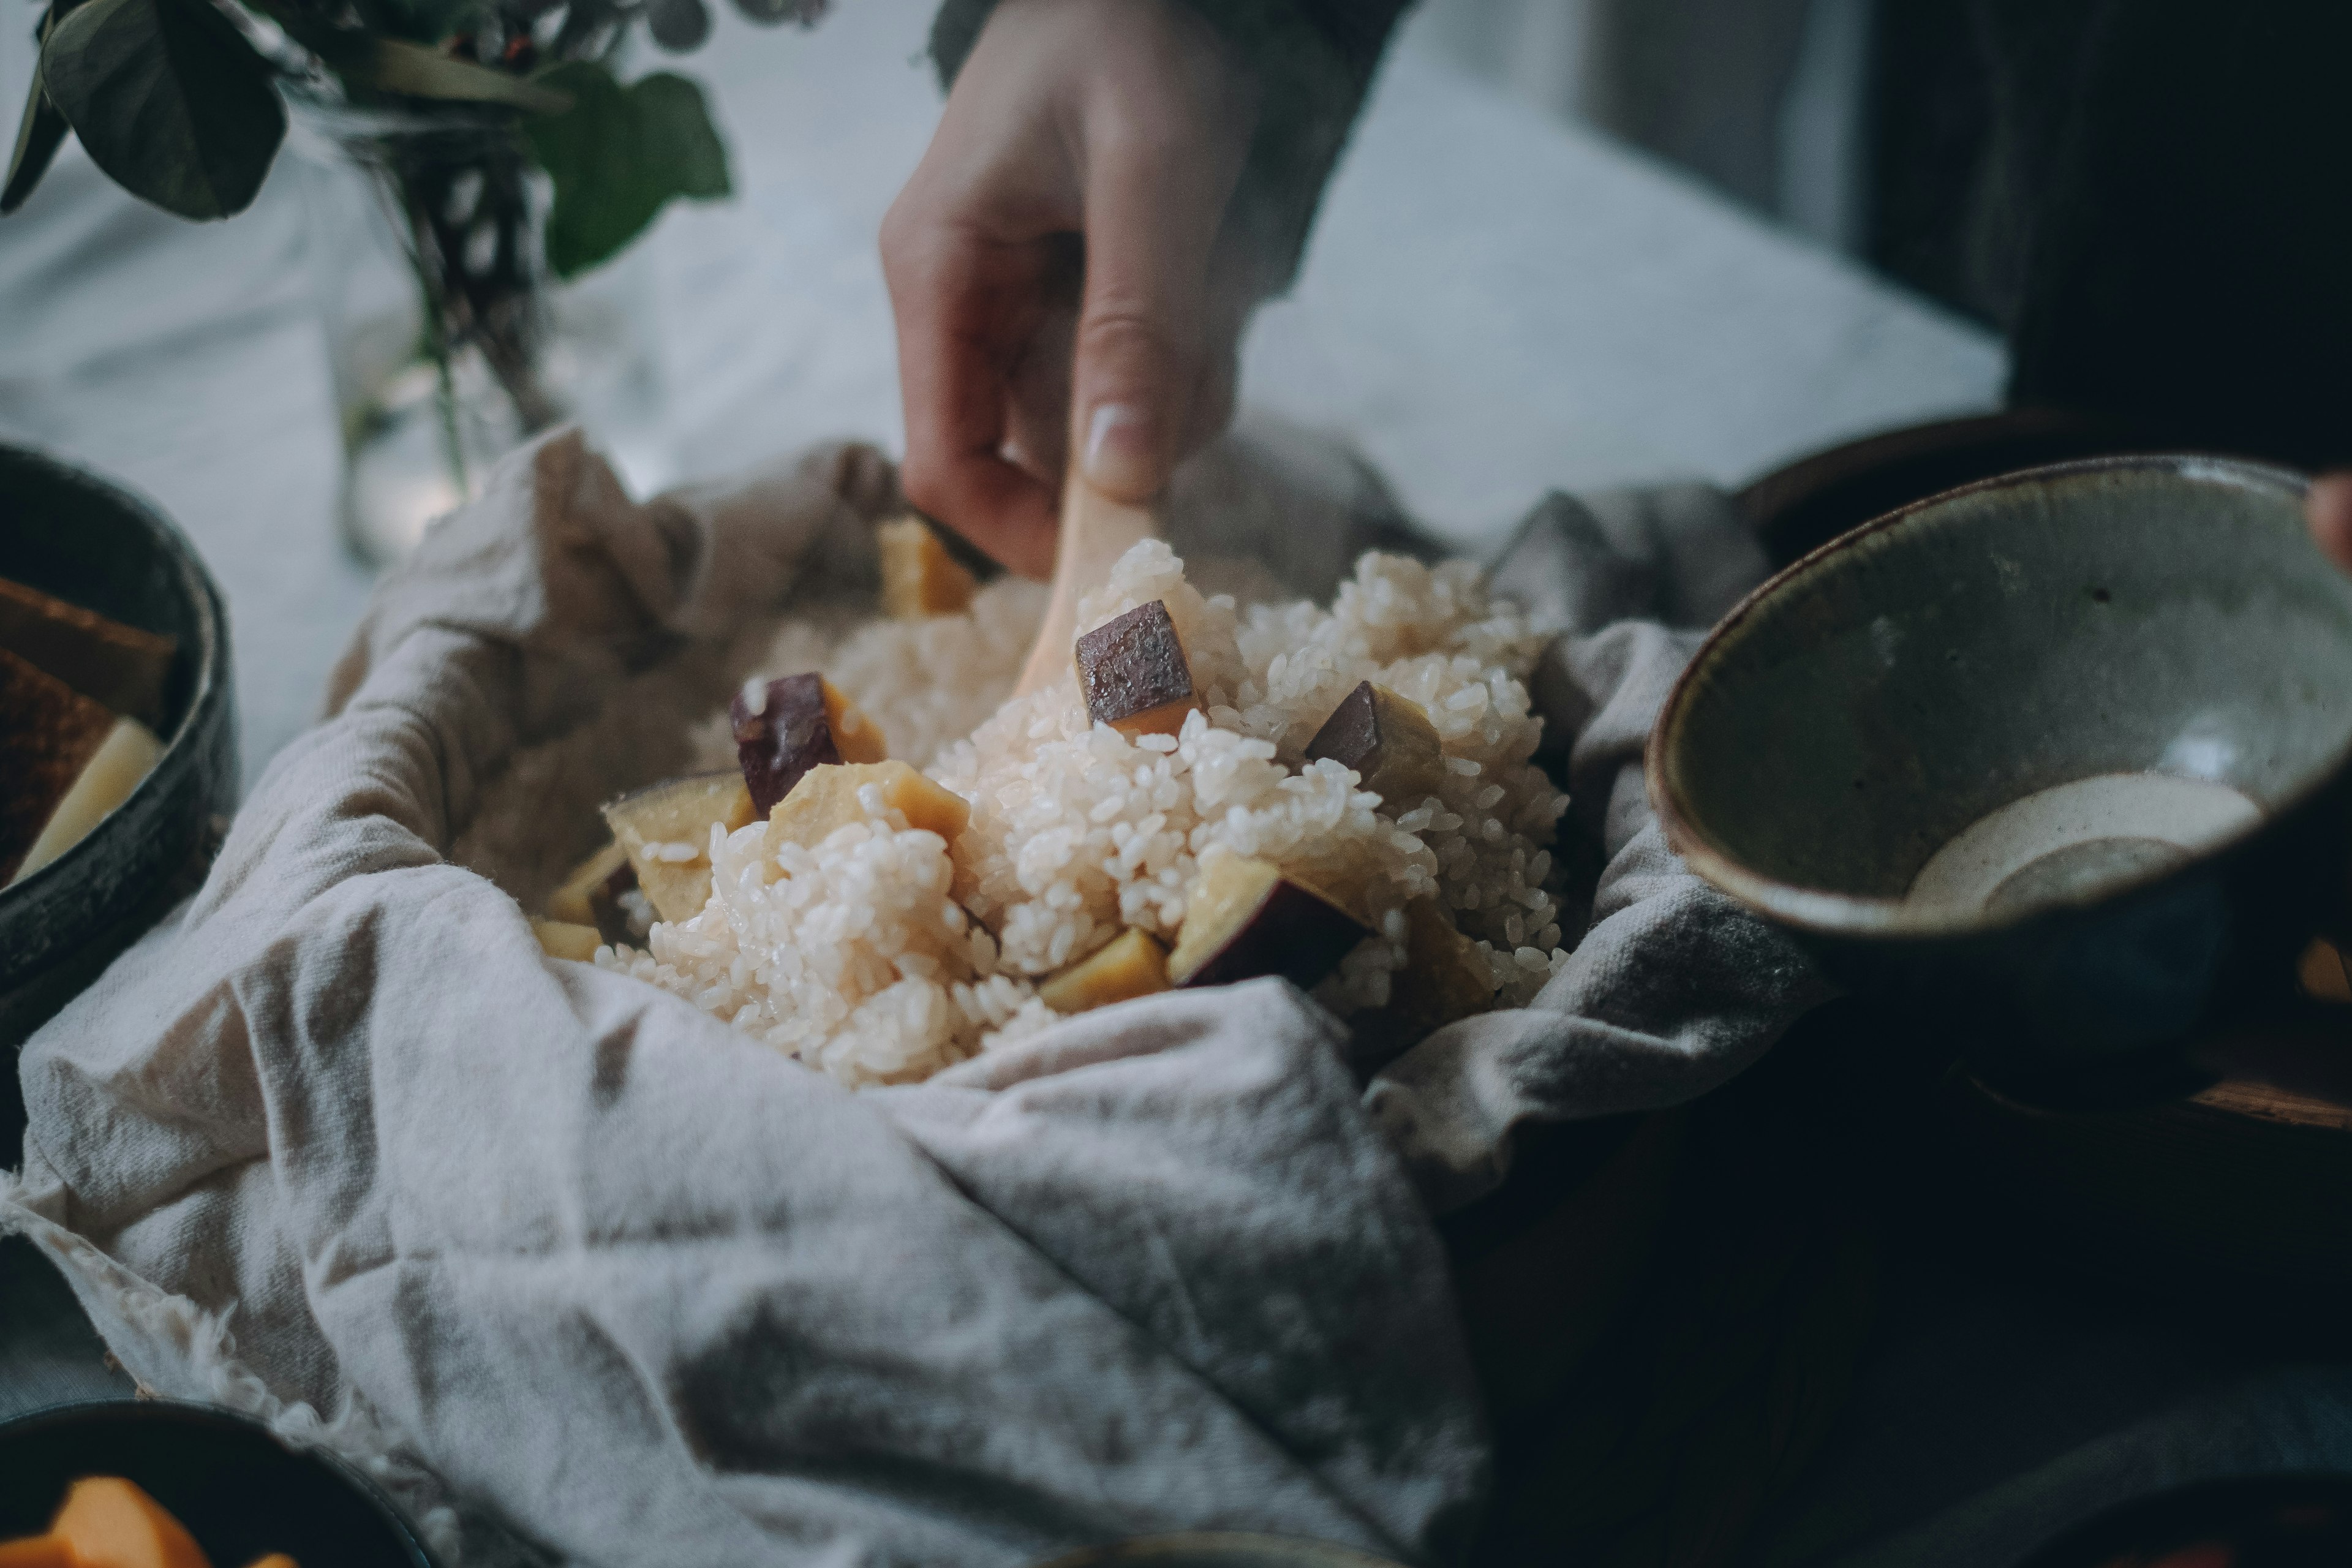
<point>1095,531</point>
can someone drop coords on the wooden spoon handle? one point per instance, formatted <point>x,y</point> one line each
<point>1095,531</point>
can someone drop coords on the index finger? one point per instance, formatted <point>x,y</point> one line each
<point>962,313</point>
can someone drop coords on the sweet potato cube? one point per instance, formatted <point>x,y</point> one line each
<point>123,668</point>
<point>787,727</point>
<point>1133,673</point>
<point>561,939</point>
<point>1133,964</point>
<point>2322,974</point>
<point>1244,919</point>
<point>49,732</point>
<point>122,762</point>
<point>36,1551</point>
<point>826,798</point>
<point>106,1522</point>
<point>1387,740</point>
<point>665,830</point>
<point>590,884</point>
<point>1444,977</point>
<point>920,578</point>
<point>275,1560</point>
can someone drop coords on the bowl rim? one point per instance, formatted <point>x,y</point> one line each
<point>211,616</point>
<point>195,1414</point>
<point>1871,917</point>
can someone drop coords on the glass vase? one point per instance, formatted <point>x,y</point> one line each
<point>448,343</point>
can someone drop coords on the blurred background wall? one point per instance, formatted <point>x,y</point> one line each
<point>1852,122</point>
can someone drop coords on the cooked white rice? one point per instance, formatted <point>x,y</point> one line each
<point>881,958</point>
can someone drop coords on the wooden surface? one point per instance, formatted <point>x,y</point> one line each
<point>2242,1183</point>
<point>1095,531</point>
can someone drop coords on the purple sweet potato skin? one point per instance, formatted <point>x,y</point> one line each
<point>1293,934</point>
<point>1351,736</point>
<point>1133,664</point>
<point>784,740</point>
<point>49,732</point>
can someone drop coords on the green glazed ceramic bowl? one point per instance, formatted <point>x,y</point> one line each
<point>2063,752</point>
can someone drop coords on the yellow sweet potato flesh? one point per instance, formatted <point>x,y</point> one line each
<point>36,1551</point>
<point>1389,743</point>
<point>858,738</point>
<point>648,823</point>
<point>920,578</point>
<point>827,800</point>
<point>1245,918</point>
<point>1444,977</point>
<point>1133,673</point>
<point>2321,973</point>
<point>108,1522</point>
<point>561,939</point>
<point>574,901</point>
<point>1133,964</point>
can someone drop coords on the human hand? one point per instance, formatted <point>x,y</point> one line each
<point>1057,266</point>
<point>2328,510</point>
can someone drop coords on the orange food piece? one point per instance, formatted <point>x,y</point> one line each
<point>1133,964</point>
<point>36,1551</point>
<point>827,799</point>
<point>275,1560</point>
<point>2322,973</point>
<point>858,738</point>
<point>920,578</point>
<point>106,1522</point>
<point>1133,673</point>
<point>1444,977</point>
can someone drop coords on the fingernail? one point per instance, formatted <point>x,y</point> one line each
<point>1120,457</point>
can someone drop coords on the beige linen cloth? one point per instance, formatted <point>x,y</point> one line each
<point>582,1275</point>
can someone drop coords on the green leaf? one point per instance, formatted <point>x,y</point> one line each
<point>618,157</point>
<point>395,66</point>
<point>169,100</point>
<point>39,136</point>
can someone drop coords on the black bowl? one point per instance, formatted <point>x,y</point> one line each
<point>71,535</point>
<point>2061,755</point>
<point>239,1489</point>
<point>2252,1522</point>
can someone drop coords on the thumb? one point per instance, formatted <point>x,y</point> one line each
<point>1150,222</point>
<point>2329,510</point>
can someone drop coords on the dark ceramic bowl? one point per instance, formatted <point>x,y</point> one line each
<point>1211,1549</point>
<point>2252,1522</point>
<point>2063,753</point>
<point>69,535</point>
<point>240,1492</point>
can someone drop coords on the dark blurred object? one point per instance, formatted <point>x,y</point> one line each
<point>2266,1521</point>
<point>2240,1180</point>
<point>1700,81</point>
<point>64,533</point>
<point>239,1490</point>
<point>1218,1549</point>
<point>1730,1347</point>
<point>1801,506</point>
<point>2151,199</point>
